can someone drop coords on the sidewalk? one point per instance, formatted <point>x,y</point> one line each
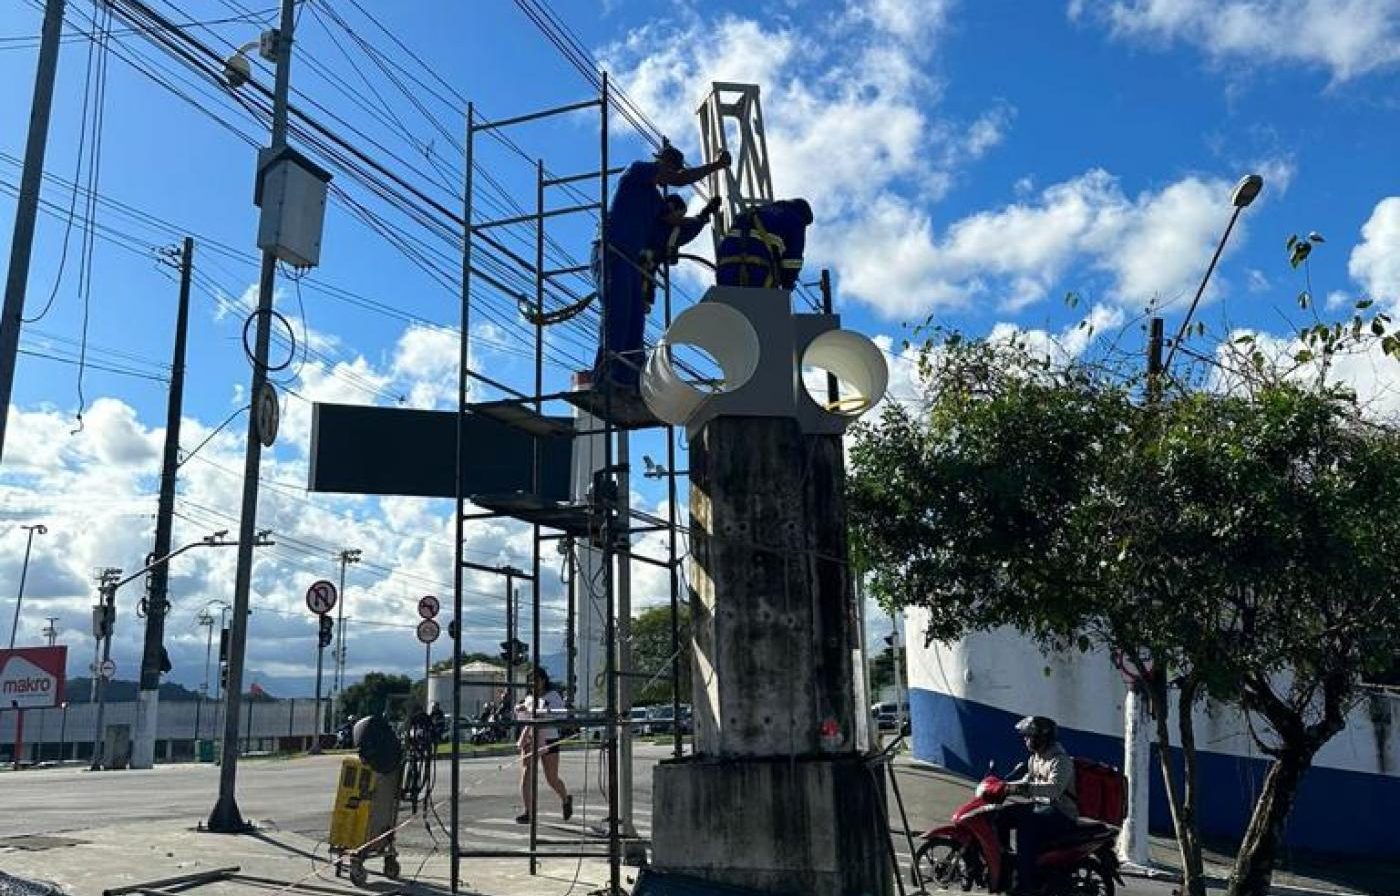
<point>1303,873</point>
<point>87,862</point>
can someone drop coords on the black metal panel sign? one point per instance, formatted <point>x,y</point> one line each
<point>361,450</point>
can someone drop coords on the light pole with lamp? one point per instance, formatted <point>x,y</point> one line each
<point>36,529</point>
<point>1246,191</point>
<point>1132,838</point>
<point>109,600</point>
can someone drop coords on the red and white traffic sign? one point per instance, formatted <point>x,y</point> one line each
<point>320,597</point>
<point>428,607</point>
<point>428,631</point>
<point>32,677</point>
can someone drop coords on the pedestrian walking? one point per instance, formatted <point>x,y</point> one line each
<point>541,743</point>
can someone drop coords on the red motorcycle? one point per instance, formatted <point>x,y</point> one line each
<point>969,852</point>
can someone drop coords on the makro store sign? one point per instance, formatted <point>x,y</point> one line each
<point>32,677</point>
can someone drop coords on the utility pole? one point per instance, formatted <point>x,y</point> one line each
<point>346,556</point>
<point>1137,759</point>
<point>104,616</point>
<point>51,632</point>
<point>225,817</point>
<point>36,529</point>
<point>205,619</point>
<point>833,386</point>
<point>27,206</point>
<point>898,676</point>
<point>158,603</point>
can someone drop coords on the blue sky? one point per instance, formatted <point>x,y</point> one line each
<point>970,160</point>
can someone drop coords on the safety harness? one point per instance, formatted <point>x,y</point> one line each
<point>772,245</point>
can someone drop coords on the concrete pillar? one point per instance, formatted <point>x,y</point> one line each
<point>777,798</point>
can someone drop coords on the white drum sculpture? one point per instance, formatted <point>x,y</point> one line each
<point>763,350</point>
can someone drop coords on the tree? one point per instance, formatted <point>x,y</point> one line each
<point>1237,543</point>
<point>372,694</point>
<point>651,654</point>
<point>882,669</point>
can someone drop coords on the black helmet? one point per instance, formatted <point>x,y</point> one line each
<point>669,154</point>
<point>1041,730</point>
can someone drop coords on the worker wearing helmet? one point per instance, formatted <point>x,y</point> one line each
<point>674,229</point>
<point>1049,782</point>
<point>634,216</point>
<point>764,247</point>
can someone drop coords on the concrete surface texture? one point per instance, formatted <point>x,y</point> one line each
<point>88,832</point>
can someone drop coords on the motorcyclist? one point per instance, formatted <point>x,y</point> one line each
<point>1052,810</point>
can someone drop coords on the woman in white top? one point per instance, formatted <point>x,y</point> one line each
<point>544,701</point>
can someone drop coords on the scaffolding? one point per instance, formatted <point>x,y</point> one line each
<point>602,521</point>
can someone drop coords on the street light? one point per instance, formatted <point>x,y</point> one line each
<point>1246,191</point>
<point>36,529</point>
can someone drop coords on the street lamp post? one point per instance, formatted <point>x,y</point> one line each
<point>109,586</point>
<point>347,556</point>
<point>1245,192</point>
<point>36,529</point>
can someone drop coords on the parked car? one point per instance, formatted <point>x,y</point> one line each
<point>887,716</point>
<point>662,718</point>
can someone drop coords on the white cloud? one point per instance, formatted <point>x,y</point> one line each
<point>1151,245</point>
<point>848,121</point>
<point>1346,37</point>
<point>1375,261</point>
<point>852,124</point>
<point>1066,345</point>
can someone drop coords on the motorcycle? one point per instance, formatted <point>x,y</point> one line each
<point>969,852</point>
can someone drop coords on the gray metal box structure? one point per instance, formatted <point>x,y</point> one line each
<point>291,191</point>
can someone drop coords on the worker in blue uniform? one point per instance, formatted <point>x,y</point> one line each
<point>634,216</point>
<point>674,229</point>
<point>763,249</point>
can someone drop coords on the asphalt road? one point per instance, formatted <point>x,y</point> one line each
<point>296,794</point>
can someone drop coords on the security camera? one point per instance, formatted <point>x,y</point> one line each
<point>237,71</point>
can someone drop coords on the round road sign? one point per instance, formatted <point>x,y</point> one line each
<point>107,669</point>
<point>428,607</point>
<point>428,631</point>
<point>266,414</point>
<point>320,597</point>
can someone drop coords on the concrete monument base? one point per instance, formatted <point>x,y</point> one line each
<point>810,826</point>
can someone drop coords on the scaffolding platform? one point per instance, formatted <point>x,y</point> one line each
<point>621,410</point>
<point>577,519</point>
<point>516,413</point>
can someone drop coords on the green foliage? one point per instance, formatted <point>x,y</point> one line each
<point>882,669</point>
<point>1229,536</point>
<point>373,694</point>
<point>651,654</point>
<point>1242,544</point>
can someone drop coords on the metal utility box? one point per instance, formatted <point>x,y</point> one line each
<point>291,191</point>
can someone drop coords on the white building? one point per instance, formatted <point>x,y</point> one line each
<point>965,696</point>
<point>481,682</point>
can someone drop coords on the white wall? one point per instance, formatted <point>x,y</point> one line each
<point>1085,692</point>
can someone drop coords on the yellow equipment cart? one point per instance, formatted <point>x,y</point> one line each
<point>363,819</point>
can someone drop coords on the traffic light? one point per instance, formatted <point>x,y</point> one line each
<point>223,645</point>
<point>223,677</point>
<point>327,627</point>
<point>452,629</point>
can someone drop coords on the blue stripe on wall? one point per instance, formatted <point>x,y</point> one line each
<point>1336,810</point>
